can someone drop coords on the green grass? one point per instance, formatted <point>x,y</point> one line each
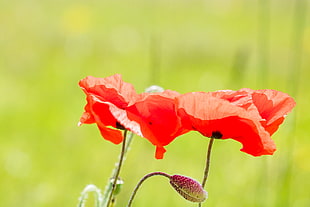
<point>46,47</point>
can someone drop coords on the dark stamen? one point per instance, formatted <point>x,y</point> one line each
<point>119,126</point>
<point>216,135</point>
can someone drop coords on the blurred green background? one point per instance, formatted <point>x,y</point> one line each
<point>47,46</point>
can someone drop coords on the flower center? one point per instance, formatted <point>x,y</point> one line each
<point>216,135</point>
<point>119,126</point>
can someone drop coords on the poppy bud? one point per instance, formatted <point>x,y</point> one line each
<point>118,187</point>
<point>153,89</point>
<point>189,188</point>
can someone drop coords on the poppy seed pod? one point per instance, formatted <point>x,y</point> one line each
<point>188,188</point>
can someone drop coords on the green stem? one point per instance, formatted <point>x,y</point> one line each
<point>140,183</point>
<point>206,172</point>
<point>128,142</point>
<point>109,186</point>
<point>118,169</point>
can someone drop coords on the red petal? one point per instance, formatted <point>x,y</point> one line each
<point>272,106</point>
<point>87,117</point>
<point>158,119</point>
<point>101,112</point>
<point>241,98</point>
<point>160,151</point>
<point>113,135</point>
<point>112,89</point>
<point>155,113</point>
<point>122,118</point>
<point>273,127</point>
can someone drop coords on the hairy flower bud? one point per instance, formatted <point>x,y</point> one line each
<point>189,188</point>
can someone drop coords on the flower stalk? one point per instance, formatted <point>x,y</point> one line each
<point>207,167</point>
<point>206,172</point>
<point>108,196</point>
<point>140,183</point>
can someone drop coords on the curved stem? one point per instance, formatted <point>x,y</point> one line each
<point>90,188</point>
<point>206,172</point>
<point>118,169</point>
<point>140,183</point>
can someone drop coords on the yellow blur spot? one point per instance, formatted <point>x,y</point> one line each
<point>77,19</point>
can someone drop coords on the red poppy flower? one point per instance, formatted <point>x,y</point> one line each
<point>156,115</point>
<point>270,105</point>
<point>218,118</point>
<point>104,95</point>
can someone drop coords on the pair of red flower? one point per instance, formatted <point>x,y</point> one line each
<point>247,116</point>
